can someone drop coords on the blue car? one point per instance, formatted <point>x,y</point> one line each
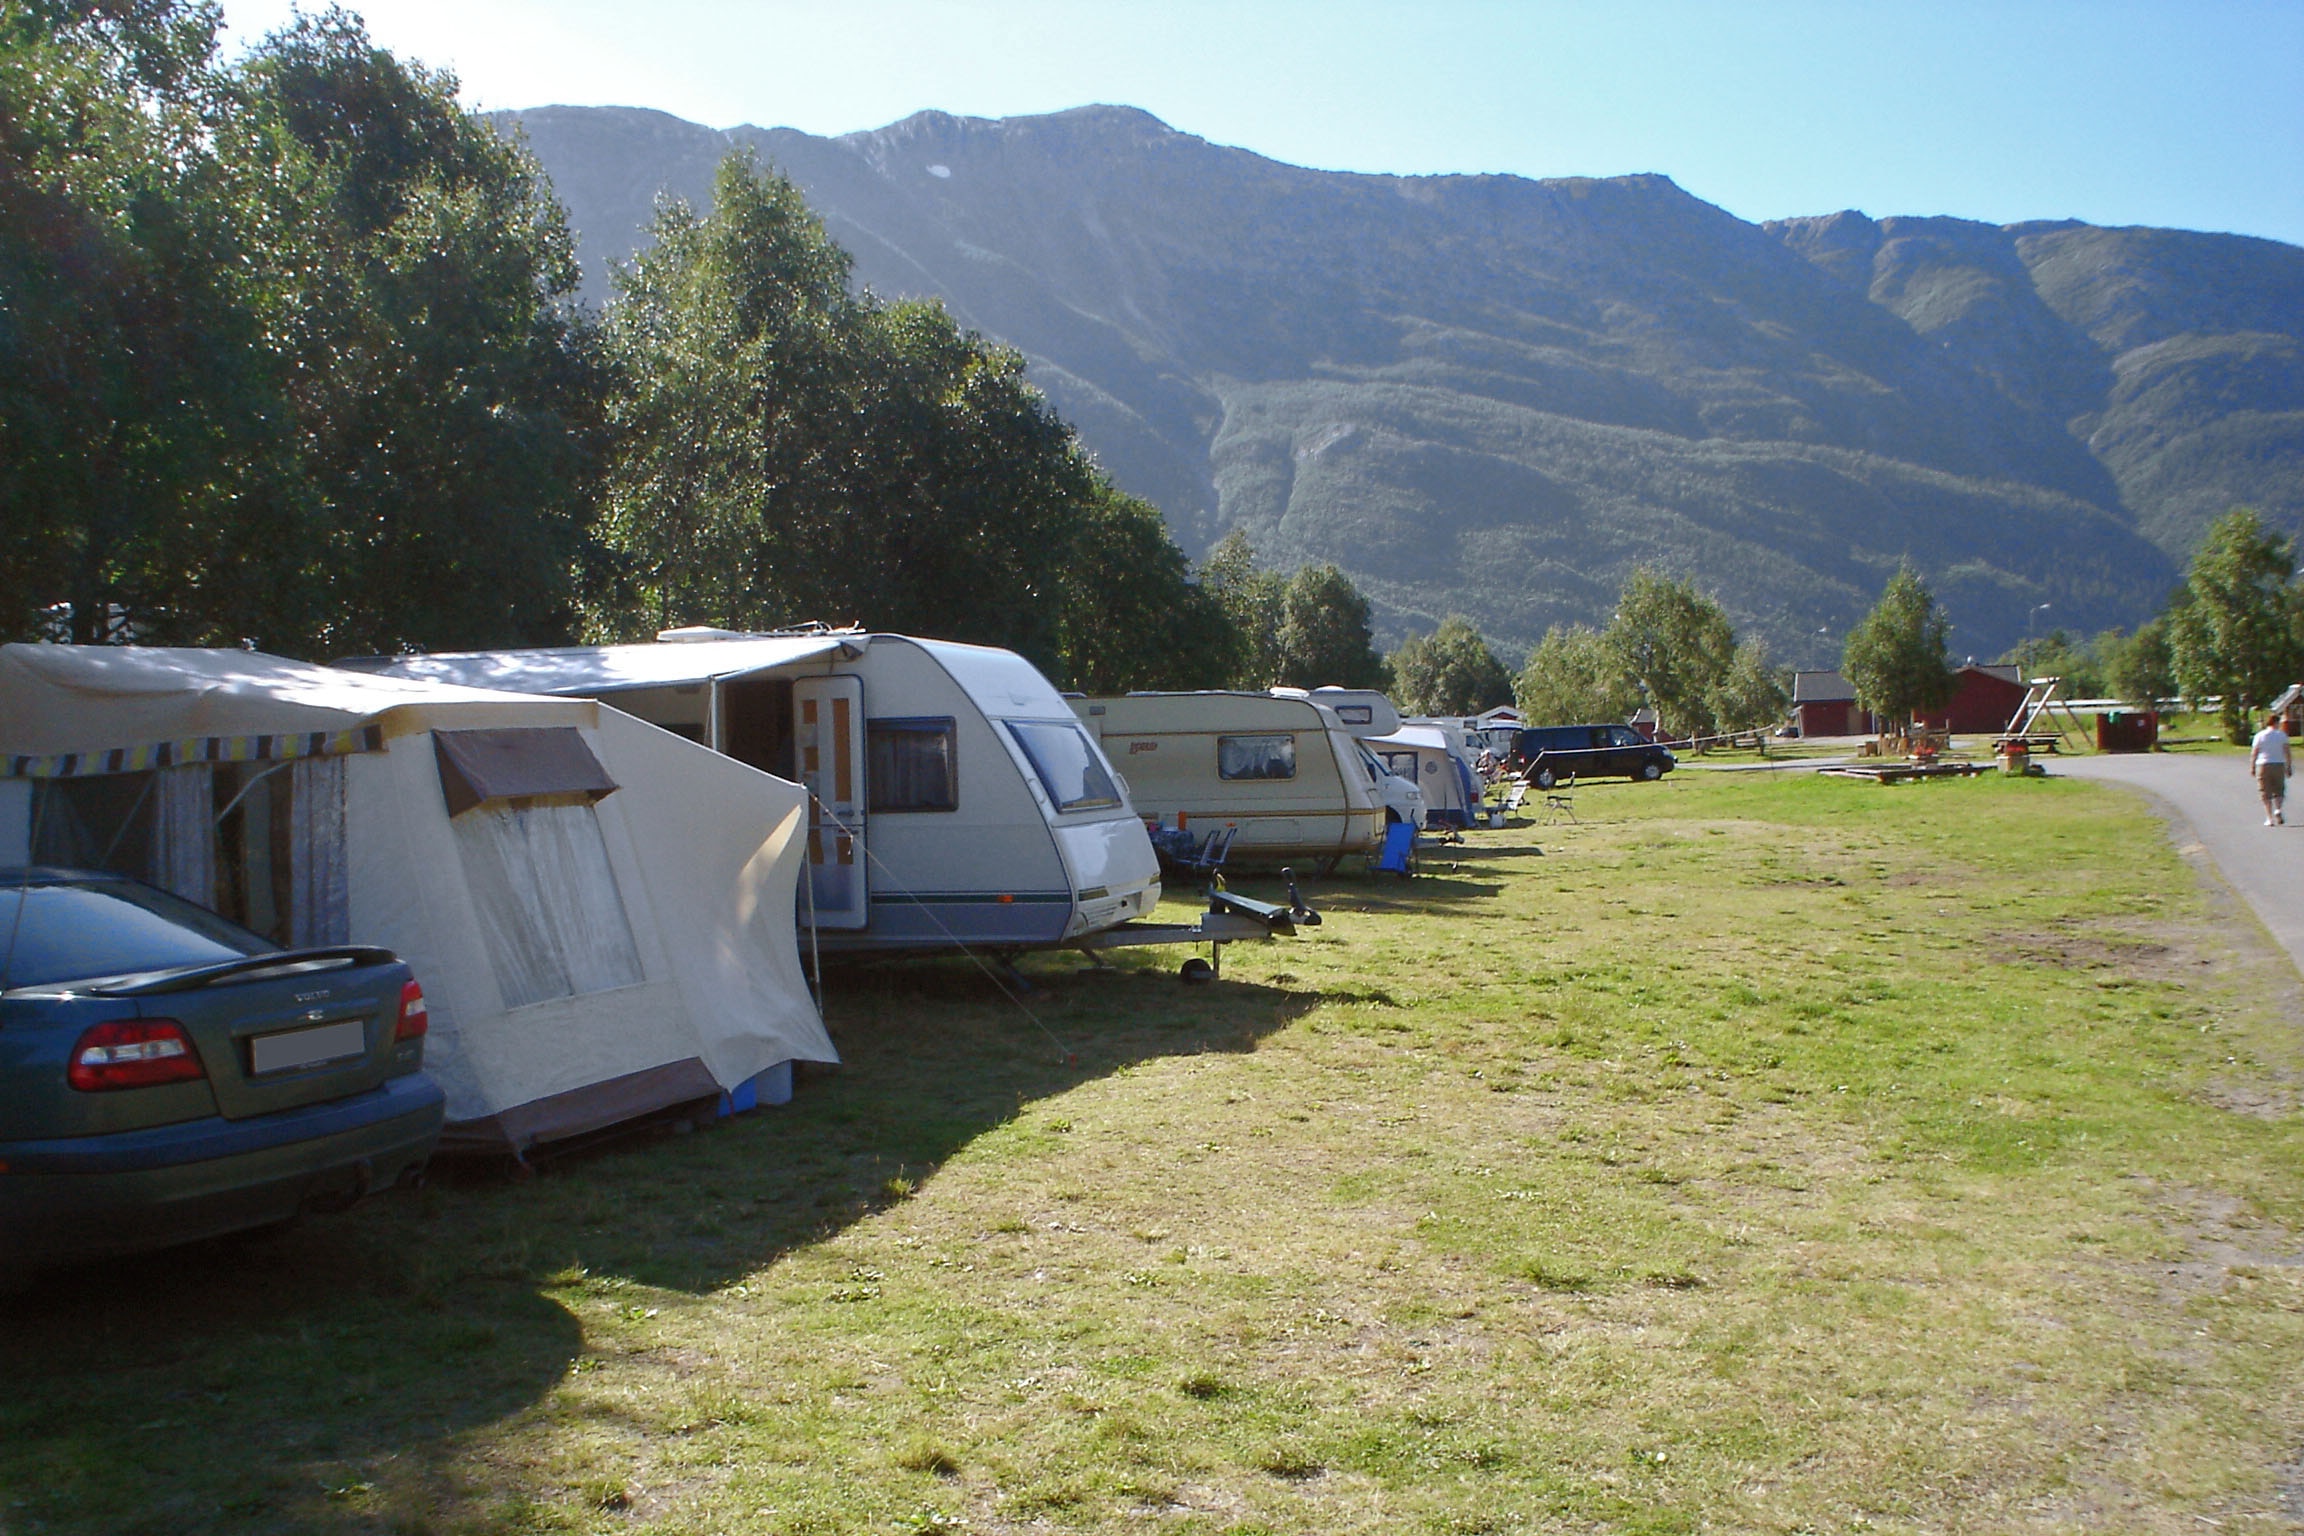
<point>166,1075</point>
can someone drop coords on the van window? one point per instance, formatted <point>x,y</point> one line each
<point>1401,763</point>
<point>911,765</point>
<point>1356,714</point>
<point>1067,766</point>
<point>1256,757</point>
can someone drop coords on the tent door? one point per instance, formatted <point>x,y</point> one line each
<point>828,731</point>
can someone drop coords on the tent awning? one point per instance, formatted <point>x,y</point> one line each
<point>84,709</point>
<point>592,670</point>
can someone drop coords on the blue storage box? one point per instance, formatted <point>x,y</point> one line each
<point>771,1086</point>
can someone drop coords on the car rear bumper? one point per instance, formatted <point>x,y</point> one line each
<point>83,1197</point>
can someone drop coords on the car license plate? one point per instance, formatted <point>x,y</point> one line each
<point>293,1048</point>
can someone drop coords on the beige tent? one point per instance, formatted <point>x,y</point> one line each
<point>601,913</point>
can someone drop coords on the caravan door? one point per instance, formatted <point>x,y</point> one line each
<point>828,733</point>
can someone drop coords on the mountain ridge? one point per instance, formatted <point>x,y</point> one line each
<point>1494,394</point>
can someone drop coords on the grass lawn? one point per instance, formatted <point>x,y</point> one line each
<point>1766,1153</point>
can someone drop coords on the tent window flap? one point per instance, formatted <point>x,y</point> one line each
<point>550,911</point>
<point>479,766</point>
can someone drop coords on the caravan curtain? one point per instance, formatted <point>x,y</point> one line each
<point>319,903</point>
<point>1256,757</point>
<point>910,765</point>
<point>550,911</point>
<point>184,833</point>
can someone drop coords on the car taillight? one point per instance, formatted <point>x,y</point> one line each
<point>415,1018</point>
<point>133,1053</point>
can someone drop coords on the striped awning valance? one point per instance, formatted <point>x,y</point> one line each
<point>195,749</point>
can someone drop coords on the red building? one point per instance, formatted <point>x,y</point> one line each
<point>1825,704</point>
<point>1987,700</point>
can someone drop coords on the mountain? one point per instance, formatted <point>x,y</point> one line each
<point>1496,395</point>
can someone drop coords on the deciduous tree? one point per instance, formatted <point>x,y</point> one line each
<point>1895,656</point>
<point>1573,676</point>
<point>1252,602</point>
<point>1325,633</point>
<point>1449,672</point>
<point>2234,632</point>
<point>1676,645</point>
<point>1752,696</point>
<point>2140,668</point>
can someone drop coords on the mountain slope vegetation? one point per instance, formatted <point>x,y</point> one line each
<point>1496,396</point>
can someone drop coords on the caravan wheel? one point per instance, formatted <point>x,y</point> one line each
<point>1196,972</point>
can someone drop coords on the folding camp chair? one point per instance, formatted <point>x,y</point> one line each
<point>1208,859</point>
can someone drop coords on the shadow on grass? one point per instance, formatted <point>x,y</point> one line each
<point>280,1373</point>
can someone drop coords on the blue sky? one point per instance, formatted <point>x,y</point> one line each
<point>2189,115</point>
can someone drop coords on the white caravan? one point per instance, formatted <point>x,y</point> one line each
<point>1281,770</point>
<point>600,915</point>
<point>954,798</point>
<point>1365,715</point>
<point>1363,712</point>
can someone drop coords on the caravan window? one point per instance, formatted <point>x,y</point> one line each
<point>1356,714</point>
<point>911,765</point>
<point>1256,757</point>
<point>1068,766</point>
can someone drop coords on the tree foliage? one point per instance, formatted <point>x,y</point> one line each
<point>1326,634</point>
<point>1895,656</point>
<point>1675,645</point>
<point>443,398</point>
<point>1251,602</point>
<point>282,355</point>
<point>1449,672</point>
<point>1572,676</point>
<point>132,388</point>
<point>2139,668</point>
<point>2233,631</point>
<point>1751,695</point>
<point>787,450</point>
<point>1132,617</point>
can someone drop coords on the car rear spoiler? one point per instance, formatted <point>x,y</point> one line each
<point>285,962</point>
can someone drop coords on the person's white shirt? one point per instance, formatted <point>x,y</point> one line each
<point>2270,746</point>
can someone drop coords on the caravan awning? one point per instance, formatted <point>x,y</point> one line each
<point>588,671</point>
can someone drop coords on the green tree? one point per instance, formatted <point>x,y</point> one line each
<point>1325,633</point>
<point>135,389</point>
<point>2078,664</point>
<point>1676,646</point>
<point>1573,676</point>
<point>787,450</point>
<point>2140,668</point>
<point>1251,602</point>
<point>2234,631</point>
<point>1895,656</point>
<point>1449,672</point>
<point>1132,618</point>
<point>283,354</point>
<point>443,395</point>
<point>1752,695</point>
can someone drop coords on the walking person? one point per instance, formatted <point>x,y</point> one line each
<point>2268,760</point>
